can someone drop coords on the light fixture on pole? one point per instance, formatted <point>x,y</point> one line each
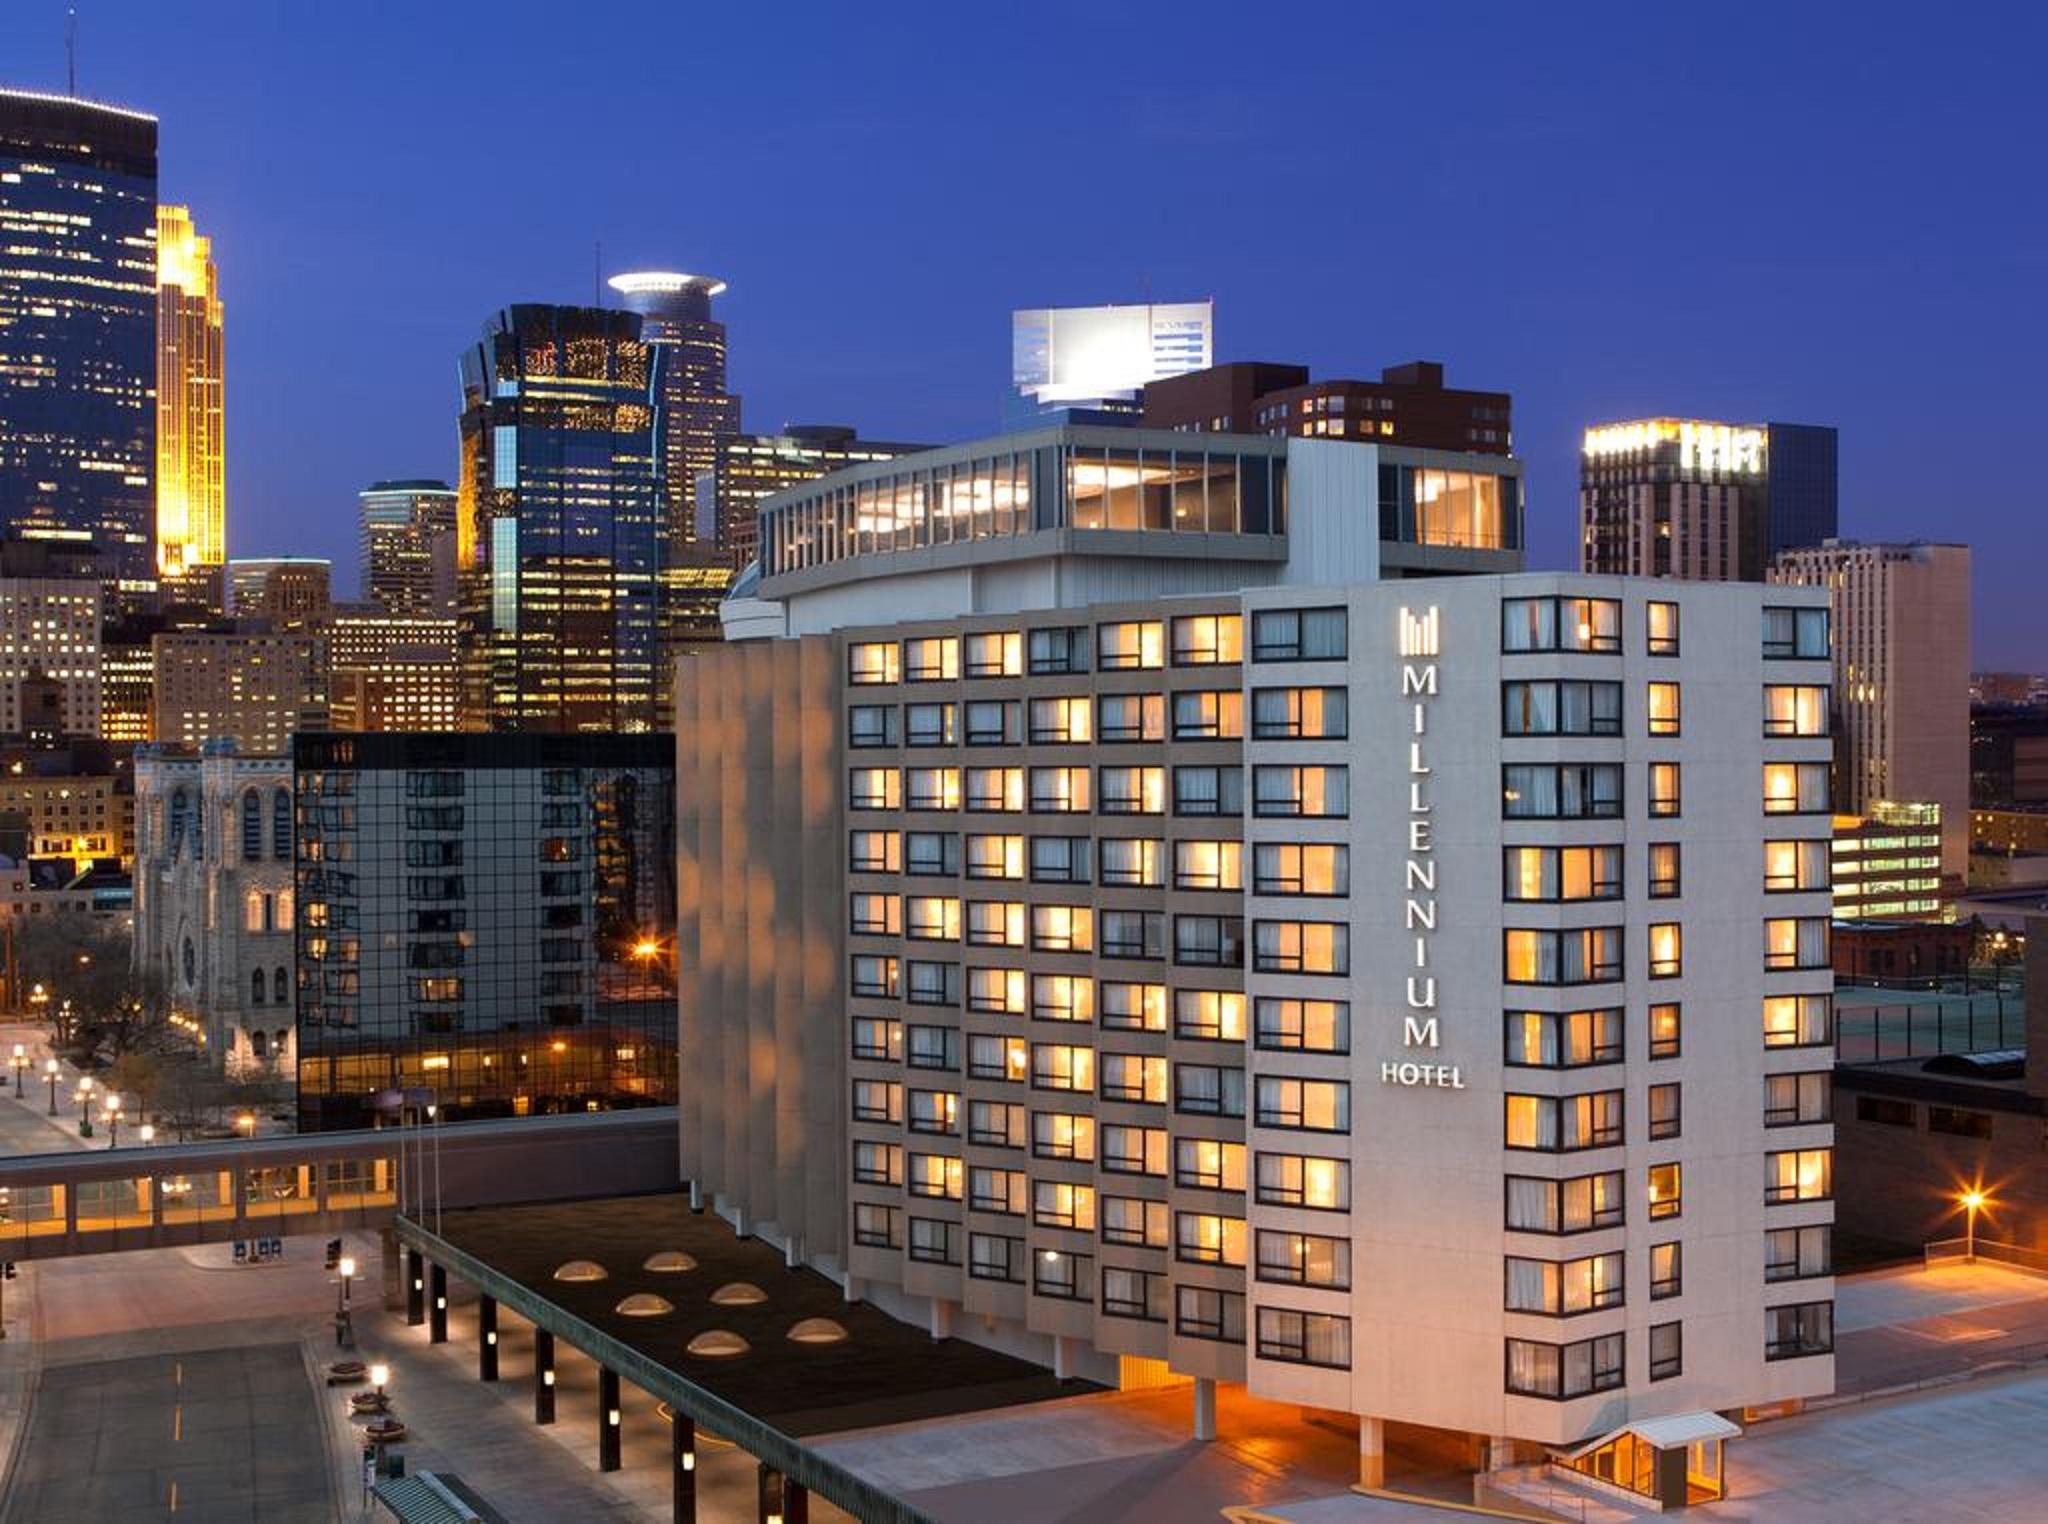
<point>1973,1201</point>
<point>50,1074</point>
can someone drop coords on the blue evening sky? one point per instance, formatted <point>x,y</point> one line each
<point>1826,213</point>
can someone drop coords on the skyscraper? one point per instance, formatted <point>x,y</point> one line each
<point>292,592</point>
<point>78,351</point>
<point>1902,677</point>
<point>403,521</point>
<point>751,467</point>
<point>559,523</point>
<point>696,409</point>
<point>191,522</point>
<point>1700,500</point>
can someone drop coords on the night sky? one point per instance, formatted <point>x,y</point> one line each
<point>1830,214</point>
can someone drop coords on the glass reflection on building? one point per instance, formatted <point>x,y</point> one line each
<point>491,918</point>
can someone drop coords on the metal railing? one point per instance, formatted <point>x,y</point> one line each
<point>1951,1251</point>
<point>1980,1024</point>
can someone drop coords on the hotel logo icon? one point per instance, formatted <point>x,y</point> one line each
<point>1419,632</point>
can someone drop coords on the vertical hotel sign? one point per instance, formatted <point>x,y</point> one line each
<point>1421,645</point>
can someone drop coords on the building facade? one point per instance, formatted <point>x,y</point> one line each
<point>191,511</point>
<point>560,522</point>
<point>1409,405</point>
<point>393,671</point>
<point>50,654</point>
<point>291,592</point>
<point>74,804</point>
<point>245,682</point>
<point>213,897</point>
<point>1901,625</point>
<point>408,529</point>
<point>696,409</point>
<point>489,917</point>
<point>751,468</point>
<point>1887,864</point>
<point>78,335</point>
<point>1408,999</point>
<point>1704,501</point>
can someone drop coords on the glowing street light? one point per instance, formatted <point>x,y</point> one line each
<point>245,1124</point>
<point>1973,1201</point>
<point>50,1074</point>
<point>19,1062</point>
<point>147,1132</point>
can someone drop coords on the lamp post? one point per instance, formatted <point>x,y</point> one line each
<point>245,1124</point>
<point>1973,1201</point>
<point>50,1074</point>
<point>147,1132</point>
<point>110,1113</point>
<point>344,1304</point>
<point>19,1062</point>
<point>85,1107</point>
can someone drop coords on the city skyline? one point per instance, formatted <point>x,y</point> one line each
<point>341,203</point>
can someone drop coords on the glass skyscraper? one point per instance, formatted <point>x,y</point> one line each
<point>559,522</point>
<point>406,524</point>
<point>78,331</point>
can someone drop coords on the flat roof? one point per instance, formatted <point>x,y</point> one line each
<point>884,1372</point>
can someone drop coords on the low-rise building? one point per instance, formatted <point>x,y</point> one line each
<point>1887,863</point>
<point>214,897</point>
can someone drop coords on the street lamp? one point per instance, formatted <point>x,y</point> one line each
<point>379,1374</point>
<point>19,1062</point>
<point>84,1094</point>
<point>50,1074</point>
<point>1973,1201</point>
<point>246,1124</point>
<point>344,1304</point>
<point>110,1113</point>
<point>147,1131</point>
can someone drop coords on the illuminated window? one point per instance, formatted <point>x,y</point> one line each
<point>1796,942</point>
<point>1559,873</point>
<point>1664,797</point>
<point>1560,624</point>
<point>1797,865</point>
<point>1299,714</point>
<point>1062,790</point>
<point>1208,716</point>
<point>1562,1287</point>
<point>870,662</point>
<point>1128,1006</point>
<point>1204,640</point>
<point>1208,1164</point>
<point>1556,708</point>
<point>1664,1031</point>
<point>1303,1104</point>
<point>1132,862</point>
<point>1288,792</point>
<point>1205,1238</point>
<point>1661,626</point>
<point>1663,709</point>
<point>1563,1039</point>
<point>1303,1180</point>
<point>1302,947</point>
<point>1795,709</point>
<point>1799,1174</point>
<point>1208,1015</point>
<point>1666,1191</point>
<point>1060,721</point>
<point>994,654</point>
<point>1136,644</point>
<point>1796,788</point>
<point>1666,950</point>
<point>1798,1021</point>
<point>933,658</point>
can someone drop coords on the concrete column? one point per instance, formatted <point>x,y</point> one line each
<point>608,1416</point>
<point>941,1318</point>
<point>696,1197</point>
<point>1500,1452</point>
<point>1061,1371</point>
<point>793,1253</point>
<point>543,1376</point>
<point>682,1454</point>
<point>415,1289</point>
<point>486,1338</point>
<point>1205,1407</point>
<point>437,1305</point>
<point>852,1287</point>
<point>1372,1451</point>
<point>394,1272</point>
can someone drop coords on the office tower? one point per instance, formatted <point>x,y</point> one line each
<point>1887,864</point>
<point>191,521</point>
<point>559,527</point>
<point>696,409</point>
<point>404,522</point>
<point>78,349</point>
<point>1409,405</point>
<point>1371,991</point>
<point>1090,364</point>
<point>393,671</point>
<point>1902,677</point>
<point>213,918</point>
<point>292,592</point>
<point>1803,484</point>
<point>128,679</point>
<point>1703,501</point>
<point>2009,755</point>
<point>241,681</point>
<point>752,467</point>
<point>49,640</point>
<point>488,917</point>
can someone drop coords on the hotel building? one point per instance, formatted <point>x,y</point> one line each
<point>1207,952</point>
<point>490,917</point>
<point>1702,501</point>
<point>1902,677</point>
<point>191,514</point>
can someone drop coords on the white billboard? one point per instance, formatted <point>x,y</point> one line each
<point>1083,354</point>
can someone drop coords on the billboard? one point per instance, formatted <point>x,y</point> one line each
<point>1083,354</point>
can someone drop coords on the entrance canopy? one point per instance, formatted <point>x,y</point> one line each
<point>1672,1433</point>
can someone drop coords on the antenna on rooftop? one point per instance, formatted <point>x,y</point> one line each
<point>71,51</point>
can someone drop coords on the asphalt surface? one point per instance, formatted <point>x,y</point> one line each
<point>219,1434</point>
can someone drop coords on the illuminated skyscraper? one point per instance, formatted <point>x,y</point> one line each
<point>78,351</point>
<point>403,521</point>
<point>191,521</point>
<point>558,528</point>
<point>696,409</point>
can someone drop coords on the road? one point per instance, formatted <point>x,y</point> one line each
<point>173,1382</point>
